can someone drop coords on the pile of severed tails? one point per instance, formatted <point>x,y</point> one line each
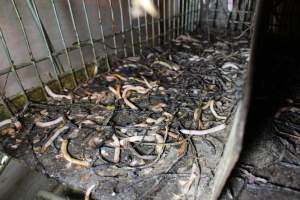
<point>155,125</point>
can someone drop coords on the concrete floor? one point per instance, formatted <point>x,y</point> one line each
<point>19,182</point>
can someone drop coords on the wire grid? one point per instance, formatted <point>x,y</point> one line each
<point>217,14</point>
<point>176,17</point>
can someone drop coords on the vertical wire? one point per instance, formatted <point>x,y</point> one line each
<point>43,31</point>
<point>194,13</point>
<point>140,34</point>
<point>246,10</point>
<point>186,16</point>
<point>123,29</point>
<point>207,20</point>
<point>252,9</point>
<point>185,23</point>
<point>91,38</point>
<point>29,47</point>
<point>198,12</point>
<point>169,20</point>
<point>190,13</point>
<point>102,34</point>
<point>159,24</point>
<point>183,16</point>
<point>178,16</point>
<point>113,27</point>
<point>174,17</point>
<point>201,11</point>
<point>228,23</point>
<point>251,12</point>
<point>215,13</point>
<point>146,28</point>
<point>77,38</point>
<point>165,21</point>
<point>153,29</point>
<point>131,28</point>
<point>11,62</point>
<point>36,15</point>
<point>189,16</point>
<point>63,42</point>
<point>237,16</point>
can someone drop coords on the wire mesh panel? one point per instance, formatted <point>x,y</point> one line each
<point>64,43</point>
<point>228,16</point>
<point>118,70</point>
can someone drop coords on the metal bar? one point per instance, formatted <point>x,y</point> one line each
<point>63,42</point>
<point>174,18</point>
<point>247,7</point>
<point>186,23</point>
<point>29,47</point>
<point>228,24</point>
<point>102,34</point>
<point>252,9</point>
<point>11,62</point>
<point>165,21</point>
<point>140,34</point>
<point>90,36</point>
<point>131,28</point>
<point>183,16</point>
<point>32,6</point>
<point>43,31</point>
<point>123,29</point>
<point>198,13</point>
<point>191,15</point>
<point>208,26</point>
<point>215,13</point>
<point>153,29</point>
<point>146,27</point>
<point>239,4</point>
<point>159,25</point>
<point>201,14</point>
<point>77,38</point>
<point>178,17</point>
<point>195,14</point>
<point>169,20</point>
<point>113,26</point>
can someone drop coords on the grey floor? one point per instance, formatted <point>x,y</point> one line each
<point>19,182</point>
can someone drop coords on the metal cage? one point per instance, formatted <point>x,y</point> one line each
<point>64,43</point>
